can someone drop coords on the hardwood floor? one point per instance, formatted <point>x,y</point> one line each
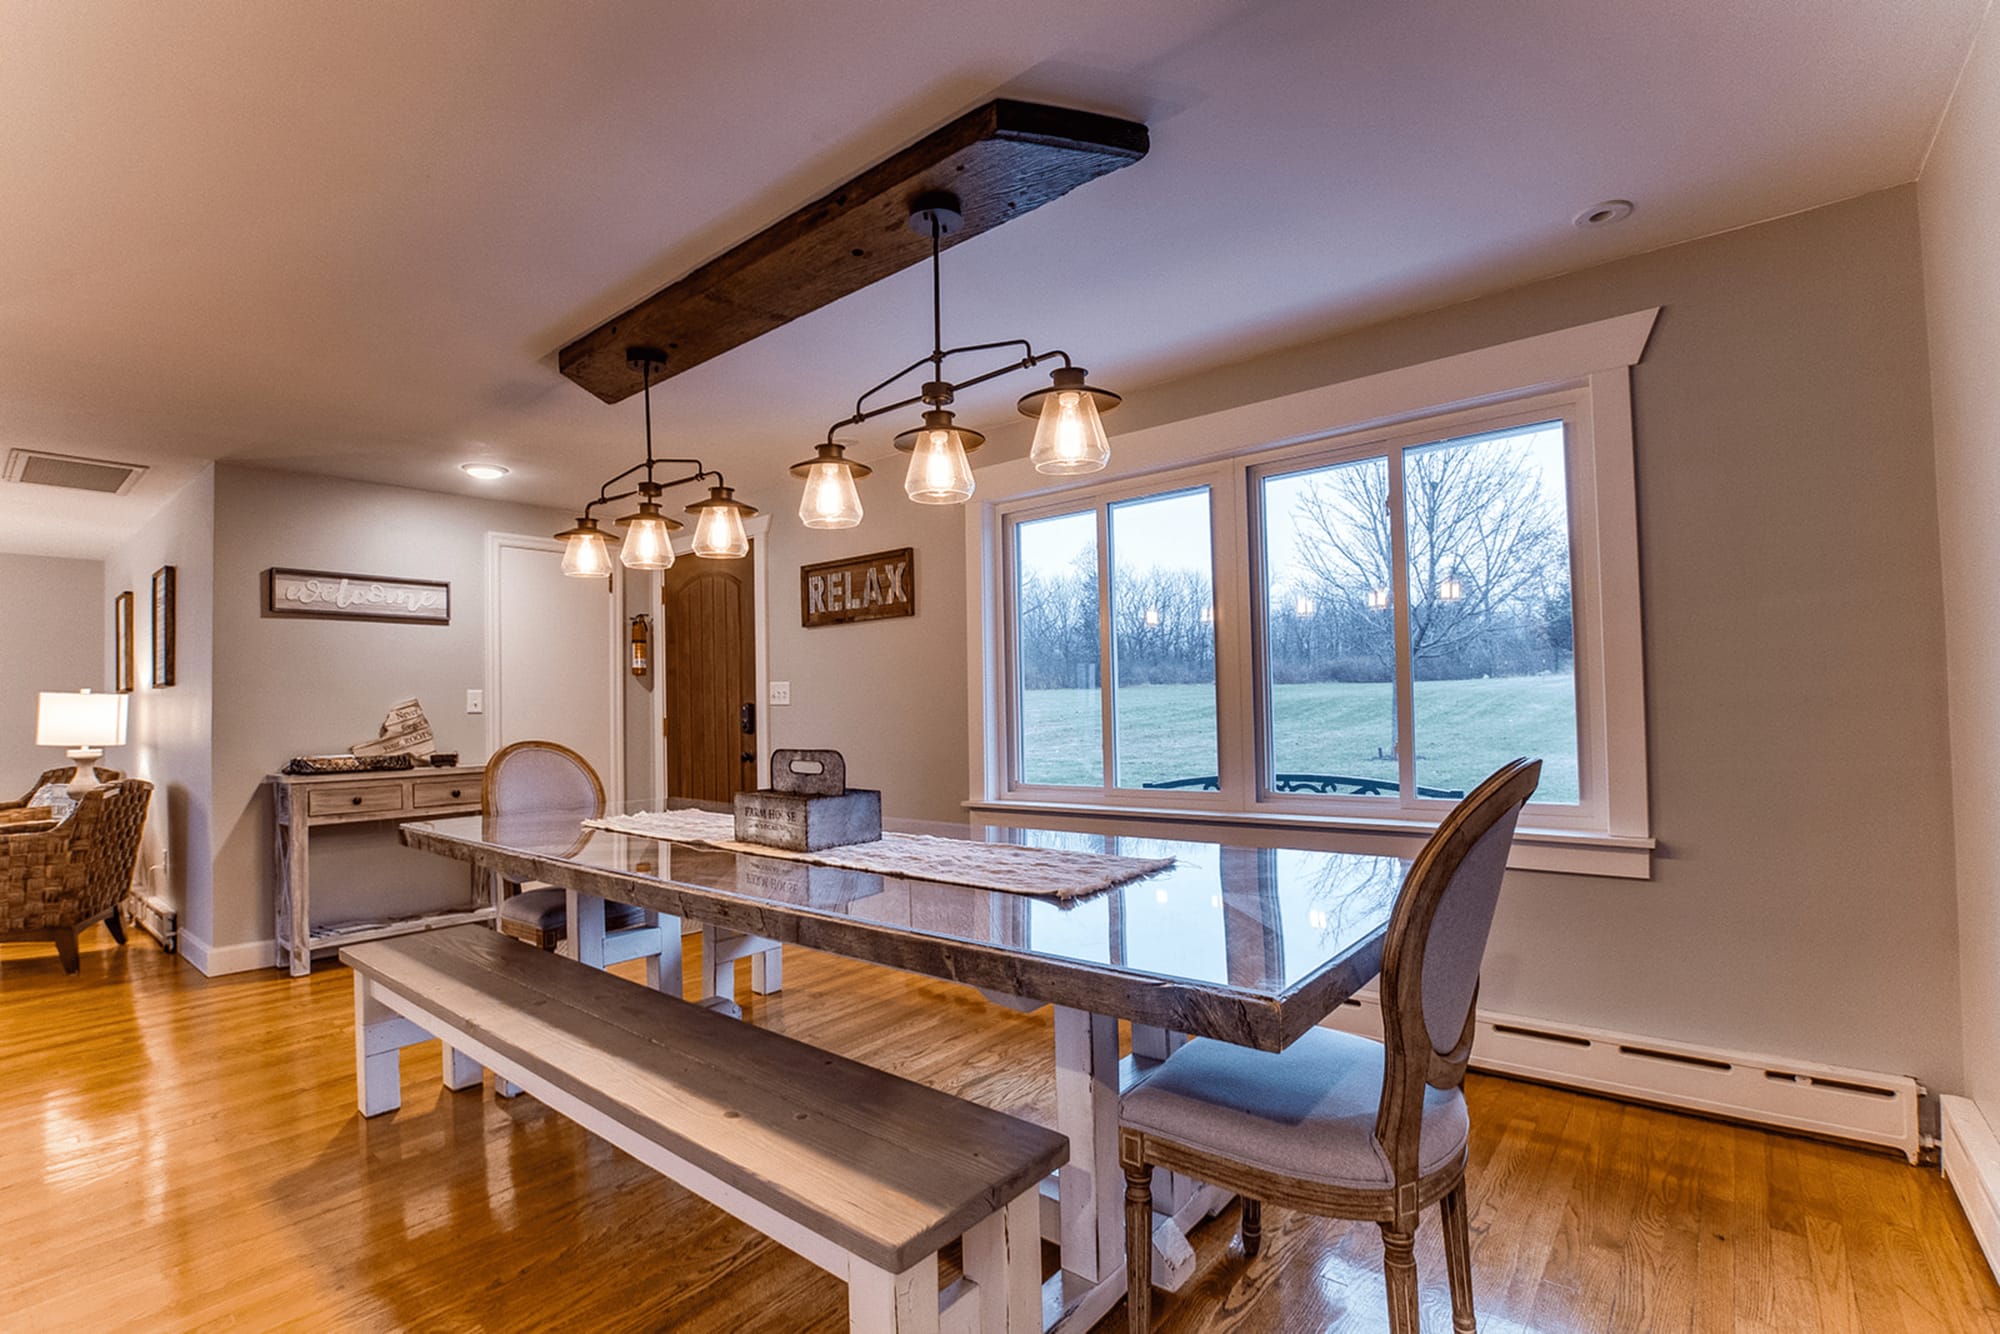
<point>180,1153</point>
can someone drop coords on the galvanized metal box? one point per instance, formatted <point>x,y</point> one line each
<point>808,806</point>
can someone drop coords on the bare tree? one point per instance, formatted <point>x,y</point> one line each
<point>1486,545</point>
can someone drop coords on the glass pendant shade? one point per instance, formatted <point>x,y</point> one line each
<point>718,527</point>
<point>585,555</point>
<point>831,499</point>
<point>940,473</point>
<point>649,541</point>
<point>1069,430</point>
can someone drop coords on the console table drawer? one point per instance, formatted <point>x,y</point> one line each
<point>355,799</point>
<point>445,791</point>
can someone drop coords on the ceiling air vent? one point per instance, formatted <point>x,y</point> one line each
<point>100,475</point>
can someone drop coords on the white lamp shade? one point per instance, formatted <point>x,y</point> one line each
<point>80,720</point>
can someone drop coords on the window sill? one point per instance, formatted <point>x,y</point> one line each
<point>1566,851</point>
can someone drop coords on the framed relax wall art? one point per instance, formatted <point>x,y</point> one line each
<point>356,597</point>
<point>163,626</point>
<point>860,588</point>
<point>125,678</point>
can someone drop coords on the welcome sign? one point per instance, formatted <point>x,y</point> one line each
<point>356,597</point>
<point>861,588</point>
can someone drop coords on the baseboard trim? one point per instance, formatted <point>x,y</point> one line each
<point>216,960</point>
<point>1972,1165</point>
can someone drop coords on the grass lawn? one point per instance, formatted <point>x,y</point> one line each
<point>1465,730</point>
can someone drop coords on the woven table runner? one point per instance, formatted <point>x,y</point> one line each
<point>1046,872</point>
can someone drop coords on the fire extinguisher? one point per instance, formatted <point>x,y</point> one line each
<point>642,645</point>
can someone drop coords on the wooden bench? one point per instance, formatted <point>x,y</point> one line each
<point>863,1173</point>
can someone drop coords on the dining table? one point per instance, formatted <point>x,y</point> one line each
<point>1248,945</point>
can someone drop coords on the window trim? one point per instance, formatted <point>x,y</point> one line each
<point>1588,366</point>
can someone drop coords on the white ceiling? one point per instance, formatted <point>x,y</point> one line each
<point>348,239</point>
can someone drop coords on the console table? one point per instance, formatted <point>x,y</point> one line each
<point>302,803</point>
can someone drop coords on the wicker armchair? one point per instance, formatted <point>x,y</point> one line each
<point>56,882</point>
<point>61,775</point>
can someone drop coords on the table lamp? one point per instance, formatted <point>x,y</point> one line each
<point>84,722</point>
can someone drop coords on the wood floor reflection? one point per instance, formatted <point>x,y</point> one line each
<point>180,1153</point>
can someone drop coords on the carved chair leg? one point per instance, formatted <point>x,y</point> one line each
<point>1458,1258</point>
<point>1253,1227</point>
<point>115,927</point>
<point>66,946</point>
<point>1138,1248</point>
<point>1399,1270</point>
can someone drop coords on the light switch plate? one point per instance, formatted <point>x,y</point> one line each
<point>781,692</point>
<point>475,701</point>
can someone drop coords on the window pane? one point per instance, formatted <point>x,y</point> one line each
<point>1055,596</point>
<point>1163,640</point>
<point>1329,635</point>
<point>1490,641</point>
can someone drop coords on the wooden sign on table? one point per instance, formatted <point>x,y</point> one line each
<point>356,597</point>
<point>860,588</point>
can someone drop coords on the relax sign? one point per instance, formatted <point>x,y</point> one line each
<point>862,588</point>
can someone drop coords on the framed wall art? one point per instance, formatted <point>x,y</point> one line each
<point>125,677</point>
<point>163,626</point>
<point>356,597</point>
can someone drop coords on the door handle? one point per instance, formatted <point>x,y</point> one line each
<point>748,757</point>
<point>746,719</point>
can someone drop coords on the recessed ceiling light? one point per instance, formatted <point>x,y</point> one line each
<point>1604,214</point>
<point>485,472</point>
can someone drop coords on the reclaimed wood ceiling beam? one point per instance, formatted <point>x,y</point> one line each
<point>1001,160</point>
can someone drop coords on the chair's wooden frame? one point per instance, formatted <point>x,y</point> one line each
<point>1410,1061</point>
<point>505,889</point>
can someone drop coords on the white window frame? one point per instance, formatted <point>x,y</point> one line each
<point>1580,374</point>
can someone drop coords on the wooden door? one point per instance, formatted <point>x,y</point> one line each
<point>708,669</point>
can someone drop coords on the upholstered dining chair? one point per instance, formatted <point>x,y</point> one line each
<point>534,777</point>
<point>1337,1125</point>
<point>57,880</point>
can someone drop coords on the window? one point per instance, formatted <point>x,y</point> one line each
<point>1260,615</point>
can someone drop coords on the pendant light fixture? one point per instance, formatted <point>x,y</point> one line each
<point>830,499</point>
<point>1069,432</point>
<point>648,543</point>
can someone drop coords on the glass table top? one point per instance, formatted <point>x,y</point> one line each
<point>1256,920</point>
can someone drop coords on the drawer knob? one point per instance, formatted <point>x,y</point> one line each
<point>454,792</point>
<point>356,800</point>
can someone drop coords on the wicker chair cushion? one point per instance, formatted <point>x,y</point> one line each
<point>1307,1112</point>
<point>78,870</point>
<point>548,910</point>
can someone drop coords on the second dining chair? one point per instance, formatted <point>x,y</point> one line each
<point>1337,1125</point>
<point>533,777</point>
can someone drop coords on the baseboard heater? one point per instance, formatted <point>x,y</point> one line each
<point>1857,1106</point>
<point>155,916</point>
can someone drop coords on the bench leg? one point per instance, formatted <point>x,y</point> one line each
<point>503,1088</point>
<point>378,1066</point>
<point>1003,1255</point>
<point>460,1070</point>
<point>879,1302</point>
<point>767,971</point>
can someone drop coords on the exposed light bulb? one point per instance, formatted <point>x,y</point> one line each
<point>585,555</point>
<point>719,535</point>
<point>940,474</point>
<point>649,544</point>
<point>1069,434</point>
<point>830,500</point>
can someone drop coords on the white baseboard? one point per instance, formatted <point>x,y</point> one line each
<point>214,961</point>
<point>1972,1165</point>
<point>1834,1102</point>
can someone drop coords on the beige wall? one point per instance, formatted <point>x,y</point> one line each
<point>889,695</point>
<point>1959,200</point>
<point>290,686</point>
<point>51,638</point>
<point>168,737</point>
<point>1802,902</point>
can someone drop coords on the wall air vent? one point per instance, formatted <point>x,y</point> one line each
<point>99,475</point>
